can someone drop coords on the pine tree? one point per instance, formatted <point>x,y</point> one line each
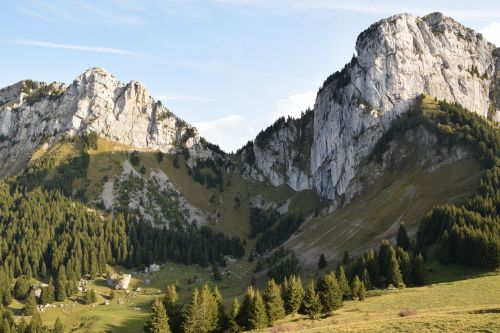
<point>35,325</point>
<point>343,283</point>
<point>257,316</point>
<point>7,295</point>
<point>158,323</point>
<point>404,264</point>
<point>222,320</point>
<point>312,302</point>
<point>329,292</point>
<point>444,253</point>
<point>322,261</point>
<point>384,256</point>
<point>244,309</point>
<point>418,270</point>
<point>394,275</point>
<point>403,240</point>
<point>355,288</point>
<point>233,317</point>
<point>365,278</point>
<point>173,308</point>
<point>60,291</point>
<point>21,287</point>
<point>208,310</point>
<point>58,326</point>
<point>90,297</point>
<point>345,258</point>
<point>30,307</point>
<point>362,292</point>
<point>274,302</point>
<point>293,294</point>
<point>216,272</point>
<point>191,321</point>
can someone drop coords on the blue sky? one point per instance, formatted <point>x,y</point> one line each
<point>230,67</point>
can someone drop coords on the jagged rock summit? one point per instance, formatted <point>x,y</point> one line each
<point>33,112</point>
<point>398,59</point>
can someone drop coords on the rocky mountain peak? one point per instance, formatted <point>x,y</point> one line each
<point>398,58</point>
<point>32,113</point>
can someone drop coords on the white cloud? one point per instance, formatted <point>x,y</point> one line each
<point>294,105</point>
<point>492,33</point>
<point>230,133</point>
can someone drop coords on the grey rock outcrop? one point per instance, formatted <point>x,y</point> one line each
<point>31,113</point>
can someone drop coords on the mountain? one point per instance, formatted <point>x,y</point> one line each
<point>398,59</point>
<point>402,147</point>
<point>34,112</point>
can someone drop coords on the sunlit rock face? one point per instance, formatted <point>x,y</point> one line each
<point>398,58</point>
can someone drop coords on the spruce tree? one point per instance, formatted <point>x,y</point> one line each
<point>365,278</point>
<point>293,294</point>
<point>418,270</point>
<point>58,326</point>
<point>345,258</point>
<point>343,283</point>
<point>208,310</point>
<point>403,240</point>
<point>384,256</point>
<point>173,308</point>
<point>30,307</point>
<point>312,302</point>
<point>394,275</point>
<point>274,302</point>
<point>322,261</point>
<point>355,288</point>
<point>244,309</point>
<point>216,272</point>
<point>35,325</point>
<point>60,286</point>
<point>233,317</point>
<point>158,323</point>
<point>222,320</point>
<point>404,265</point>
<point>362,292</point>
<point>21,287</point>
<point>191,319</point>
<point>329,292</point>
<point>257,316</point>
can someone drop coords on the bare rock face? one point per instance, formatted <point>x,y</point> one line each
<point>398,58</point>
<point>33,112</point>
<point>281,153</point>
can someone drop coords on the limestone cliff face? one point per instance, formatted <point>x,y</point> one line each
<point>31,113</point>
<point>397,59</point>
<point>281,153</point>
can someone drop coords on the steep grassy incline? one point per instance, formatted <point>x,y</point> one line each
<point>464,306</point>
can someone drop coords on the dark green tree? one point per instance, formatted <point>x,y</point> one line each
<point>322,261</point>
<point>293,294</point>
<point>173,308</point>
<point>274,302</point>
<point>418,270</point>
<point>394,275</point>
<point>312,302</point>
<point>21,287</point>
<point>60,291</point>
<point>329,292</point>
<point>343,282</point>
<point>257,316</point>
<point>158,322</point>
<point>403,240</point>
<point>58,326</point>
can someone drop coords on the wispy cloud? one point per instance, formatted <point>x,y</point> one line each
<point>186,64</point>
<point>230,132</point>
<point>375,7</point>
